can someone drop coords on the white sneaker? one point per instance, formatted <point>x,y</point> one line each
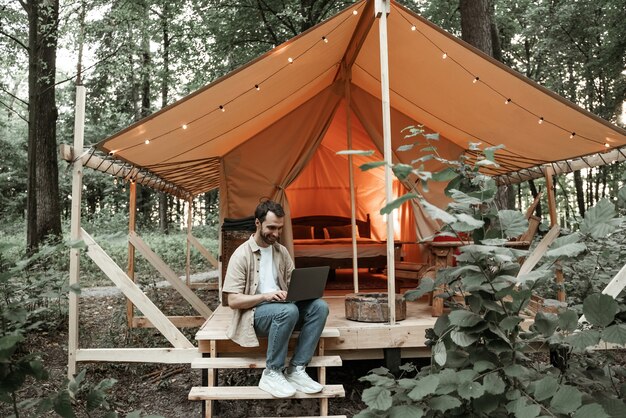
<point>274,383</point>
<point>297,377</point>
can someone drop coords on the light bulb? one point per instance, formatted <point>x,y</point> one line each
<point>476,80</point>
<point>540,120</point>
<point>222,108</point>
<point>290,60</point>
<point>573,134</point>
<point>507,101</point>
<point>606,145</point>
<point>355,12</point>
<point>413,28</point>
<point>325,39</point>
<point>184,126</point>
<point>444,56</point>
<point>147,141</point>
<point>257,87</point>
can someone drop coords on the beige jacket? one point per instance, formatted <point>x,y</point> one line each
<point>242,276</point>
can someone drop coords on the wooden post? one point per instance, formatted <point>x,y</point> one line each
<point>381,9</point>
<point>77,187</point>
<point>132,215</point>
<point>189,225</point>
<point>355,255</point>
<point>211,380</point>
<point>322,378</point>
<point>559,279</point>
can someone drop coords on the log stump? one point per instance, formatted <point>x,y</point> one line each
<point>373,307</point>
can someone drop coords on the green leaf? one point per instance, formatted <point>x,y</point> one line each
<point>466,223</point>
<point>510,322</point>
<point>9,342</point>
<point>463,339</point>
<point>365,153</point>
<point>75,288</point>
<point>377,397</point>
<point>615,334</point>
<point>486,404</point>
<point>446,174</point>
<point>95,399</point>
<point>397,203</point>
<point>426,286</point>
<point>528,411</point>
<point>546,388</point>
<point>614,407</point>
<point>598,220</point>
<point>406,411</point>
<point>600,309</point>
<point>566,400</point>
<point>592,410</point>
<point>432,137</point>
<point>63,405</point>
<point>515,370</point>
<point>444,402</point>
<point>568,320</point>
<point>568,250</point>
<point>545,323</point>
<point>461,197</point>
<point>402,171</point>
<point>439,353</point>
<point>425,386</point>
<point>406,147</point>
<point>371,165</point>
<point>483,365</point>
<point>621,196</point>
<point>583,339</point>
<point>468,390</point>
<point>513,223</point>
<point>464,318</point>
<point>435,213</point>
<point>494,384</point>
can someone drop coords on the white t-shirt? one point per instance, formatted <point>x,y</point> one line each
<point>267,272</point>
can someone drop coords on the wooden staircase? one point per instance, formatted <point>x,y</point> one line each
<point>212,392</point>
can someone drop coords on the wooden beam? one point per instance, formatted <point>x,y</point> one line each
<point>563,167</point>
<point>359,35</point>
<point>539,251</point>
<point>134,293</point>
<point>322,377</point>
<point>189,225</point>
<point>617,283</point>
<point>253,392</point>
<point>139,355</point>
<point>256,362</point>
<point>178,321</point>
<point>132,215</point>
<point>77,188</point>
<point>551,197</point>
<point>170,275</point>
<point>114,168</point>
<point>202,250</point>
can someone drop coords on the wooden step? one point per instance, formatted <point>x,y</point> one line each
<point>220,334</point>
<point>325,416</point>
<point>255,362</point>
<point>222,393</point>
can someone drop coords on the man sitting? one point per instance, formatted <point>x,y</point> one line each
<point>256,284</point>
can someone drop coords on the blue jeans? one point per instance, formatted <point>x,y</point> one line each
<point>277,321</point>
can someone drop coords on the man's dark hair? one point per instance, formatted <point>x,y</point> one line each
<point>268,206</point>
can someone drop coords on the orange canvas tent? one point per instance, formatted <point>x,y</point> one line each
<point>272,128</point>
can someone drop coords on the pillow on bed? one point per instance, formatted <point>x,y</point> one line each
<point>302,232</point>
<point>344,231</point>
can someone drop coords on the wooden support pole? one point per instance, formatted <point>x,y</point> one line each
<point>322,378</point>
<point>211,380</point>
<point>355,255</point>
<point>77,187</point>
<point>549,172</point>
<point>189,225</point>
<point>130,271</point>
<point>560,282</point>
<point>381,9</point>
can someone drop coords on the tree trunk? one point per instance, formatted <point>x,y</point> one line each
<point>476,24</point>
<point>144,197</point>
<point>580,193</point>
<point>534,192</point>
<point>163,200</point>
<point>43,210</point>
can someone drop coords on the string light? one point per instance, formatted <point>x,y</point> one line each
<point>290,60</point>
<point>606,145</point>
<point>115,181</point>
<point>355,12</point>
<point>413,28</point>
<point>184,126</point>
<point>222,108</point>
<point>147,141</point>
<point>507,101</point>
<point>325,39</point>
<point>475,79</point>
<point>257,87</point>
<point>444,56</point>
<point>572,135</point>
<point>540,120</point>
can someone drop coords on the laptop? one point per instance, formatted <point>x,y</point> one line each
<point>307,283</point>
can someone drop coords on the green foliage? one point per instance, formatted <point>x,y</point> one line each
<point>480,348</point>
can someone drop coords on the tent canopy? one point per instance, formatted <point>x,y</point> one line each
<point>254,131</point>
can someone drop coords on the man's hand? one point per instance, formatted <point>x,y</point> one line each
<point>275,296</point>
<point>241,301</point>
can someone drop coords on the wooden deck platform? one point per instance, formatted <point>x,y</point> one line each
<point>356,340</point>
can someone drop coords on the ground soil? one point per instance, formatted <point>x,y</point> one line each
<point>162,389</point>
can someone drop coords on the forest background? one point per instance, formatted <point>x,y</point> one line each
<point>135,57</point>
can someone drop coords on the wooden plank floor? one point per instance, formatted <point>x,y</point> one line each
<point>357,340</point>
